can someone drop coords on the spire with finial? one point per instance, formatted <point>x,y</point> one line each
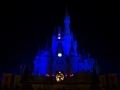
<point>72,50</point>
<point>66,10</point>
<point>67,23</point>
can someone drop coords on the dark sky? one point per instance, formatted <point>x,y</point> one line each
<point>23,25</point>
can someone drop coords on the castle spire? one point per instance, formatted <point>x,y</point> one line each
<point>54,30</point>
<point>72,50</point>
<point>66,11</point>
<point>59,30</point>
<point>67,23</point>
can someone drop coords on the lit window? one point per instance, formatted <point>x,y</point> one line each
<point>58,37</point>
<point>59,54</point>
<point>71,75</point>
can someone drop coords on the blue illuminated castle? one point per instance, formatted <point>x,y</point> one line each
<point>61,68</point>
<point>63,55</point>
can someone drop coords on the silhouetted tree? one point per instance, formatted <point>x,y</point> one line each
<point>25,74</point>
<point>95,80</point>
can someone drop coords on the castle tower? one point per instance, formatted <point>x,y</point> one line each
<point>67,23</point>
<point>73,60</point>
<point>36,63</point>
<point>45,61</point>
<point>67,35</point>
<point>47,51</point>
<point>59,32</point>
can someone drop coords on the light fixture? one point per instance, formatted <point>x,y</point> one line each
<point>59,76</point>
<point>58,37</point>
<point>59,54</point>
<point>47,75</point>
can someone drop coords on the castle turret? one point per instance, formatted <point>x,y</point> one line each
<point>38,56</point>
<point>54,42</point>
<point>47,51</point>
<point>73,60</point>
<point>45,61</point>
<point>37,63</point>
<point>67,23</point>
<point>72,51</point>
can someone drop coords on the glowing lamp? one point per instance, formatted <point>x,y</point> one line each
<point>59,76</point>
<point>58,37</point>
<point>59,54</point>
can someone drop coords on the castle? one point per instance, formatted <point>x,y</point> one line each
<point>63,55</point>
<point>61,67</point>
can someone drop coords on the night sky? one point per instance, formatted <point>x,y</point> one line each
<point>23,25</point>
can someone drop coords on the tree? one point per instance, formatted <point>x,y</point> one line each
<point>25,74</point>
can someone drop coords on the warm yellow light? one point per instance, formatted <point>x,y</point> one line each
<point>71,75</point>
<point>59,76</point>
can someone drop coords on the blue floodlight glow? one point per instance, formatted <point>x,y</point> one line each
<point>48,62</point>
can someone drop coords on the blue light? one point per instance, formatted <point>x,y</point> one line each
<point>47,61</point>
<point>59,54</point>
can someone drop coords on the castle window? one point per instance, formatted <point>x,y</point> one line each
<point>58,37</point>
<point>59,54</point>
<point>59,76</point>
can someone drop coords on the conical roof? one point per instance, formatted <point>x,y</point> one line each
<point>60,48</point>
<point>39,52</point>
